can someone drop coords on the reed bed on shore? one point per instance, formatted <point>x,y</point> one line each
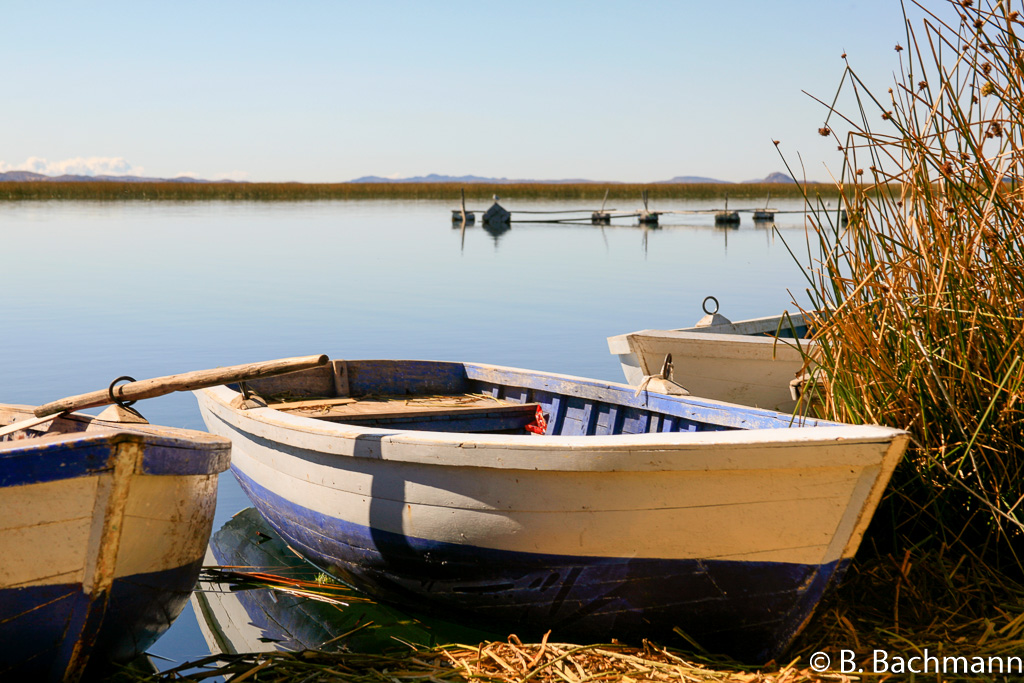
<point>496,662</point>
<point>476,192</point>
<point>920,296</point>
<point>937,601</point>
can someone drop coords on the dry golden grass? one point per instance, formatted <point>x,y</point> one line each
<point>289,192</point>
<point>920,297</point>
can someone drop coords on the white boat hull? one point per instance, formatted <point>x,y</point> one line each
<point>103,533</point>
<point>741,362</point>
<point>592,535</point>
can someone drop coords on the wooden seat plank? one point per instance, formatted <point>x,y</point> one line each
<point>383,407</point>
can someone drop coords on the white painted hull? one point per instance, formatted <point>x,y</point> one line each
<point>51,532</point>
<point>359,499</point>
<point>725,362</point>
<point>103,530</point>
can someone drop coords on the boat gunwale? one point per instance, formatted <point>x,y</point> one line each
<point>514,451</point>
<point>619,343</point>
<point>60,455</point>
<point>92,426</point>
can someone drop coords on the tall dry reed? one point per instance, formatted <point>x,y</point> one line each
<point>479,193</point>
<point>920,296</point>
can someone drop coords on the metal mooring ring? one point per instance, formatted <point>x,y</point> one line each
<point>705,305</point>
<point>115,399</point>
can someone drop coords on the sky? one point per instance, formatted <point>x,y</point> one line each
<point>331,91</point>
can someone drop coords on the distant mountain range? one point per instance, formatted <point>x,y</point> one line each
<point>28,176</point>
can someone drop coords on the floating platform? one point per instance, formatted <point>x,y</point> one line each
<point>497,215</point>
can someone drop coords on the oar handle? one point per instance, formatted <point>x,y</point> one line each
<point>186,381</point>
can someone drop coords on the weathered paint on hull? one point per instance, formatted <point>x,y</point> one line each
<point>630,516</point>
<point>104,529</point>
<point>750,610</point>
<point>139,610</point>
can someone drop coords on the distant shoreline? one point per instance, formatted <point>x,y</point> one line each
<point>476,192</point>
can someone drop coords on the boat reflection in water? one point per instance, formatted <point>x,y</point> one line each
<point>267,620</point>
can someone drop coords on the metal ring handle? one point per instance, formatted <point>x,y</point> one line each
<point>114,399</point>
<point>705,305</point>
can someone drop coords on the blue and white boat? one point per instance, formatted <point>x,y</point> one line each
<point>532,501</point>
<point>103,529</point>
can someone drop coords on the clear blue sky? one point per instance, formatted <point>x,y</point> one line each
<point>329,91</point>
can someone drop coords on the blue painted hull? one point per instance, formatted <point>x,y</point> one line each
<point>270,620</point>
<point>104,530</point>
<point>614,514</point>
<point>749,610</point>
<point>34,622</point>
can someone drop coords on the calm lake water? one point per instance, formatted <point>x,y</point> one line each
<point>96,291</point>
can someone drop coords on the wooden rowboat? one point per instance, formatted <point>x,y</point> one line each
<point>751,362</point>
<point>103,529</point>
<point>103,523</point>
<point>629,515</point>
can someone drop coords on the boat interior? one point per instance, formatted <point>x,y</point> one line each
<point>73,423</point>
<point>465,397</point>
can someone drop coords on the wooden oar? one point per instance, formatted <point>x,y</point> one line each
<point>150,388</point>
<point>24,424</point>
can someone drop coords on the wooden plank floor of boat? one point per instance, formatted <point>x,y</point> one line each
<point>391,407</point>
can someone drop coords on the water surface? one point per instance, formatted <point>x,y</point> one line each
<point>96,291</point>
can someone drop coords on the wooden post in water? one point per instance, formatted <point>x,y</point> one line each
<point>600,217</point>
<point>466,217</point>
<point>727,217</point>
<point>646,217</point>
<point>763,215</point>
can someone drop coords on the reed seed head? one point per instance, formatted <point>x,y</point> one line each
<point>923,293</point>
